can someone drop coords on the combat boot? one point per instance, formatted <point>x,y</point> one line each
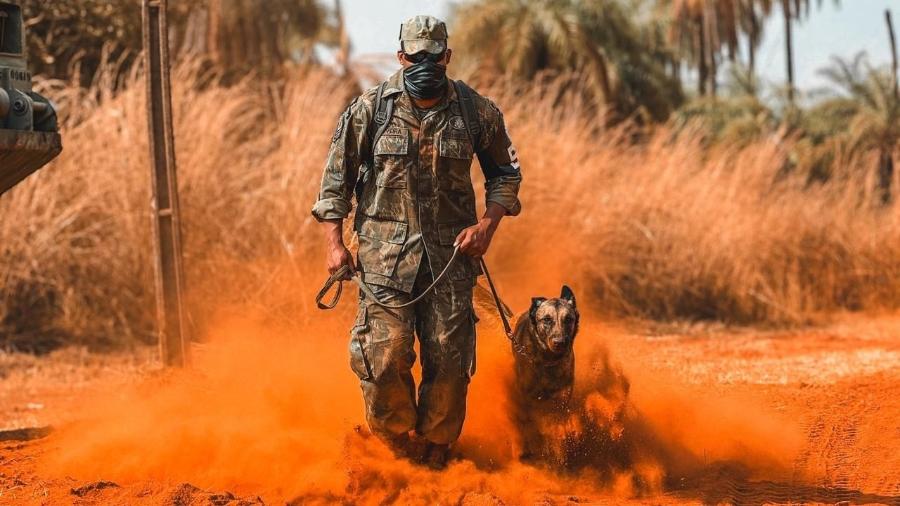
<point>435,456</point>
<point>400,445</point>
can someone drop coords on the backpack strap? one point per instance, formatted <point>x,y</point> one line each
<point>465,94</point>
<point>384,110</point>
<point>489,167</point>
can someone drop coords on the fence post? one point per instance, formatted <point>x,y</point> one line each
<point>174,341</point>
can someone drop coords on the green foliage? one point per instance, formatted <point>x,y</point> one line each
<point>72,37</point>
<point>260,35</point>
<point>739,118</point>
<point>735,120</point>
<point>861,115</point>
<point>622,63</point>
<point>864,102</point>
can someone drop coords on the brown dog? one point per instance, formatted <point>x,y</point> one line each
<point>545,376</point>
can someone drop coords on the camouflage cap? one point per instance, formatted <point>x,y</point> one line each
<point>423,33</point>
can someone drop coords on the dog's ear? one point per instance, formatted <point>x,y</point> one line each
<point>535,304</point>
<point>567,294</point>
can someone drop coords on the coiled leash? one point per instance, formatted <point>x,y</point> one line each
<point>340,275</point>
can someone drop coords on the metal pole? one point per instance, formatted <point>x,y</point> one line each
<point>174,341</point>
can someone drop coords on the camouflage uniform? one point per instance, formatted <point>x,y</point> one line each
<point>411,208</point>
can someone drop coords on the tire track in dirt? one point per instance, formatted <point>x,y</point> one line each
<point>841,386</point>
<point>834,467</point>
<point>854,426</point>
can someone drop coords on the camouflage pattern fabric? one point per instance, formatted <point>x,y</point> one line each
<point>414,197</point>
<point>423,33</point>
<point>418,195</point>
<point>382,355</point>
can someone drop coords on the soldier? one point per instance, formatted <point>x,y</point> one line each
<point>404,150</point>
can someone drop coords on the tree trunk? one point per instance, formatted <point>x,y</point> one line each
<point>710,51</point>
<point>214,20</point>
<point>886,162</point>
<point>789,48</point>
<point>712,46</point>
<point>702,70</point>
<point>885,175</point>
<point>343,55</point>
<point>751,62</point>
<point>752,39</point>
<point>893,40</point>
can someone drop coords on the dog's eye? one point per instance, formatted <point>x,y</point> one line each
<point>568,319</point>
<point>547,319</point>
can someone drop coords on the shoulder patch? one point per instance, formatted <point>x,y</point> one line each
<point>342,122</point>
<point>339,131</point>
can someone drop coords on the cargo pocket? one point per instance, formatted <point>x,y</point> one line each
<point>459,323</point>
<point>380,243</point>
<point>390,157</point>
<point>359,362</point>
<point>455,160</point>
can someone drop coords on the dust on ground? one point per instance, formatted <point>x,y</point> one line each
<point>131,433</point>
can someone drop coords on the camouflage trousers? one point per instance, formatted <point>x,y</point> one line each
<point>382,354</point>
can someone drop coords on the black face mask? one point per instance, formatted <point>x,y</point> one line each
<point>425,80</point>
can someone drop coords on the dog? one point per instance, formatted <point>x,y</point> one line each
<point>543,351</point>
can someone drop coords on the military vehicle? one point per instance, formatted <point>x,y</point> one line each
<point>29,135</point>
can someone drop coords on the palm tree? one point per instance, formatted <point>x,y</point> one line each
<point>865,111</point>
<point>753,15</point>
<point>793,10</point>
<point>702,29</point>
<point>522,40</point>
<point>263,34</point>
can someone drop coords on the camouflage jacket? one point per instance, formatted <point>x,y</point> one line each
<point>419,195</point>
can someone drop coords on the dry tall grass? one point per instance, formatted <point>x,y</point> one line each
<point>665,229</point>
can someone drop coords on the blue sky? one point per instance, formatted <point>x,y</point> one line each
<point>856,25</point>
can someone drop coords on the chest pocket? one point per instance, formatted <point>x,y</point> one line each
<point>454,160</point>
<point>455,145</point>
<point>391,152</point>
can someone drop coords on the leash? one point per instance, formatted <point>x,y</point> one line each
<point>499,303</point>
<point>340,275</point>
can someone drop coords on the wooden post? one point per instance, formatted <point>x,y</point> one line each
<point>174,341</point>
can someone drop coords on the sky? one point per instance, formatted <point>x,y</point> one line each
<point>856,25</point>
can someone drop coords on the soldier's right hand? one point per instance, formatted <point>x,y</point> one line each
<point>337,257</point>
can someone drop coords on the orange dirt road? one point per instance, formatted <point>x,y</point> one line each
<point>828,398</point>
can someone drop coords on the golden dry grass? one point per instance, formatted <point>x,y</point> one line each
<point>664,228</point>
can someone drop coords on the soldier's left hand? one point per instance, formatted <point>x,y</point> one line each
<point>475,240</point>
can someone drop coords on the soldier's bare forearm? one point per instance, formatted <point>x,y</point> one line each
<point>475,240</point>
<point>493,213</point>
<point>334,232</point>
<point>337,255</point>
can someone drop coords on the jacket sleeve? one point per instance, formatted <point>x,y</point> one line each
<point>499,161</point>
<point>349,148</point>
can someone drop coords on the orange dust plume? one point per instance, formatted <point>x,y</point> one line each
<point>276,412</point>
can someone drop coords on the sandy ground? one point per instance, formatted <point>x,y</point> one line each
<point>839,383</point>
